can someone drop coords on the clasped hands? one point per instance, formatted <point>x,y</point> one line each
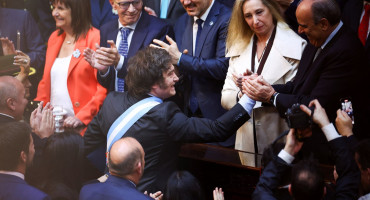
<point>103,57</point>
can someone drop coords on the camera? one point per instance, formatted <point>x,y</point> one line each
<point>296,118</point>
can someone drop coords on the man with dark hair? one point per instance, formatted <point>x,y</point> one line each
<point>163,127</point>
<point>333,66</point>
<point>307,182</point>
<point>362,157</point>
<point>126,166</point>
<point>16,154</point>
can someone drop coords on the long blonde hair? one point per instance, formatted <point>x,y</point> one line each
<point>239,31</point>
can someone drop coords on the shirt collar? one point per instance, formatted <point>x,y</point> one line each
<point>332,34</point>
<point>205,15</point>
<point>131,26</point>
<point>17,174</point>
<point>7,115</point>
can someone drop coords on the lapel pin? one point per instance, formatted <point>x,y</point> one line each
<point>76,53</point>
<point>211,23</point>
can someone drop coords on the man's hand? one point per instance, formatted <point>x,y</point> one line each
<point>218,194</point>
<point>292,145</point>
<point>150,11</point>
<point>108,56</point>
<point>72,122</point>
<point>343,123</point>
<point>172,49</point>
<point>47,124</point>
<point>8,46</point>
<point>319,115</point>
<point>89,56</point>
<point>157,195</point>
<point>258,89</point>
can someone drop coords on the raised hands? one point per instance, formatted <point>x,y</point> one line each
<point>8,46</point>
<point>218,194</point>
<point>319,115</point>
<point>103,57</point>
<point>343,123</point>
<point>171,48</point>
<point>258,89</point>
<point>292,145</point>
<point>42,120</point>
<point>157,195</point>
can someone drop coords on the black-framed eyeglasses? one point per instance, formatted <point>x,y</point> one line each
<point>126,5</point>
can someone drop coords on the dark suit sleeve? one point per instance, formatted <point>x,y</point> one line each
<point>270,179</point>
<point>349,176</point>
<point>184,129</point>
<point>215,68</point>
<point>35,48</point>
<point>109,80</point>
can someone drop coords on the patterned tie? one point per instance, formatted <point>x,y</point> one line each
<point>164,8</point>
<point>123,50</point>
<point>364,25</point>
<point>193,102</point>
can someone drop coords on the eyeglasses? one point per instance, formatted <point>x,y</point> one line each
<point>126,5</point>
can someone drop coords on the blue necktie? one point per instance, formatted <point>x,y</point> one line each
<point>193,102</point>
<point>123,50</point>
<point>164,8</point>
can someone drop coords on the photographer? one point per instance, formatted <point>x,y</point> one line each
<point>307,182</point>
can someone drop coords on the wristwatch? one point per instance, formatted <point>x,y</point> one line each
<point>272,99</point>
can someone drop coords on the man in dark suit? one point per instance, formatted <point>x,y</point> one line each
<point>102,12</point>
<point>164,127</point>
<point>354,13</point>
<point>332,67</point>
<point>126,167</point>
<point>200,35</point>
<point>173,7</point>
<point>306,181</point>
<point>133,31</point>
<point>16,154</point>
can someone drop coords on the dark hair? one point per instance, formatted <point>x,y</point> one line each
<point>145,69</point>
<point>81,16</point>
<point>127,166</point>
<point>182,185</point>
<point>14,138</point>
<point>363,153</point>
<point>307,181</point>
<point>62,163</point>
<point>327,9</point>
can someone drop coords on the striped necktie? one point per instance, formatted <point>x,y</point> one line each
<point>123,50</point>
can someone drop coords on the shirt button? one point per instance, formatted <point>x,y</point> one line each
<point>77,104</point>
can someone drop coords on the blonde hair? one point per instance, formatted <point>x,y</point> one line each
<point>239,33</point>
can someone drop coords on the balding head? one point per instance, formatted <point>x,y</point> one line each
<point>126,159</point>
<point>12,97</point>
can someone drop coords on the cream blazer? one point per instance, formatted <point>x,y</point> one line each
<point>280,67</point>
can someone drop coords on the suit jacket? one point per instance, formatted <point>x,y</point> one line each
<point>5,119</point>
<point>337,73</point>
<point>351,16</point>
<point>175,9</point>
<point>15,188</point>
<point>160,131</point>
<point>147,29</point>
<point>114,188</point>
<point>31,43</point>
<point>208,66</point>
<point>347,183</point>
<point>86,94</point>
<point>101,16</point>
<point>280,67</point>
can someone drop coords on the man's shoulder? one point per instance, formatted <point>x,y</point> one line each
<point>18,189</point>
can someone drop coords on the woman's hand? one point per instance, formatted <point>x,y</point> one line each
<point>22,59</point>
<point>218,194</point>
<point>72,122</point>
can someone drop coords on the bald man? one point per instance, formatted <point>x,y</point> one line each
<point>126,166</point>
<point>12,99</point>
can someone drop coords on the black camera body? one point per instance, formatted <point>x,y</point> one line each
<point>296,118</point>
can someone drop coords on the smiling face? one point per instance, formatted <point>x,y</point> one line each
<point>166,88</point>
<point>196,7</point>
<point>131,14</point>
<point>258,17</point>
<point>62,16</point>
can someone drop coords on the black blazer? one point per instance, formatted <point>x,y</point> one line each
<point>175,9</point>
<point>160,132</point>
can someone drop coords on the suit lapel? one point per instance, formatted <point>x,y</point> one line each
<point>113,33</point>
<point>304,66</point>
<point>170,7</point>
<point>187,42</point>
<point>207,26</point>
<point>139,35</point>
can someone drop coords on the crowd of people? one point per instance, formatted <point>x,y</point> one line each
<point>134,79</point>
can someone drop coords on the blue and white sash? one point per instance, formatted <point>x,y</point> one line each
<point>128,118</point>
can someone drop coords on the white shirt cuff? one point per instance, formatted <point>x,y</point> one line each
<point>106,73</point>
<point>286,156</point>
<point>120,63</point>
<point>330,132</point>
<point>247,103</point>
<point>178,62</point>
<point>275,99</point>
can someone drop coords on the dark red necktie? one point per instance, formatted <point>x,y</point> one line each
<point>364,25</point>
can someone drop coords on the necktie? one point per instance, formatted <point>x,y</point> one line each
<point>364,25</point>
<point>199,22</point>
<point>193,102</point>
<point>164,8</point>
<point>123,50</point>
